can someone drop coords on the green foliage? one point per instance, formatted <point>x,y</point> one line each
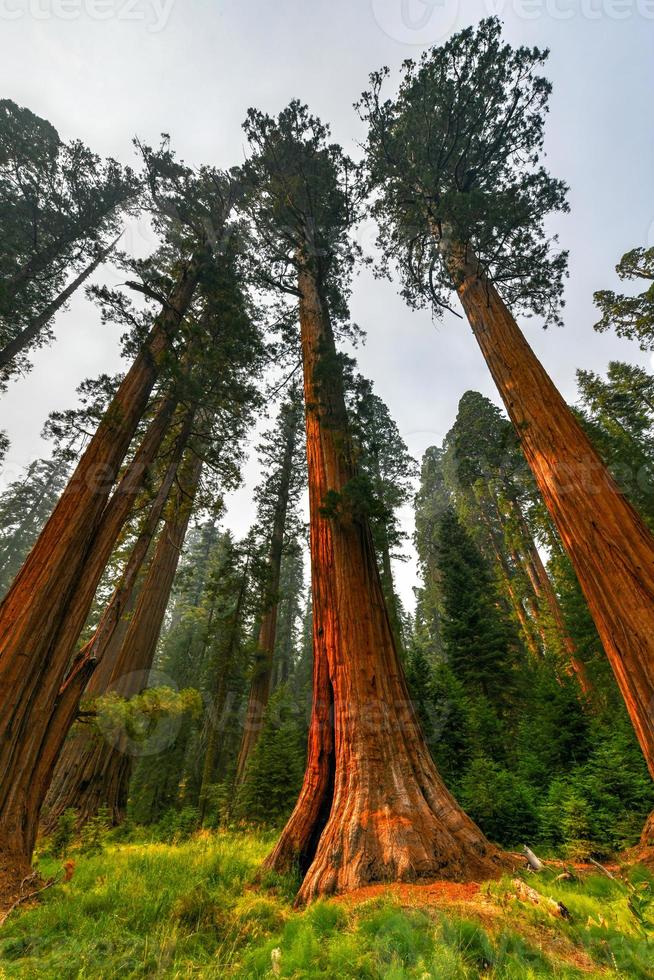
<point>143,908</point>
<point>600,805</point>
<point>276,766</point>
<point>60,205</point>
<point>25,505</point>
<point>139,716</point>
<point>500,802</point>
<point>356,501</point>
<point>630,316</point>
<point>64,834</point>
<point>456,158</point>
<point>476,637</point>
<point>94,831</point>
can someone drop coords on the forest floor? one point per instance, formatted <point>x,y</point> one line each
<point>193,908</point>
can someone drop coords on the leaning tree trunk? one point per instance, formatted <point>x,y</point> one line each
<point>29,333</point>
<point>102,650</point>
<point>263,662</point>
<point>33,663</point>
<point>95,770</point>
<point>610,547</point>
<point>373,807</point>
<point>23,797</point>
<point>546,595</point>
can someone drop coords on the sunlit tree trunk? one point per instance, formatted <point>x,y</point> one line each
<point>611,549</point>
<point>372,807</point>
<point>35,615</point>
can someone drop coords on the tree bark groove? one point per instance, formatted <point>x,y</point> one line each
<point>610,547</point>
<point>373,807</point>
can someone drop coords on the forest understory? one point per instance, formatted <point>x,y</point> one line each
<point>195,904</point>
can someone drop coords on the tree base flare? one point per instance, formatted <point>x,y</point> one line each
<point>405,840</point>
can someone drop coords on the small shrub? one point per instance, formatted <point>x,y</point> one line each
<point>64,834</point>
<point>94,832</point>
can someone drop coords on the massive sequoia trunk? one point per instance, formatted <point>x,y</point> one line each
<point>43,613</point>
<point>23,797</point>
<point>610,547</point>
<point>263,663</point>
<point>94,771</point>
<point>100,653</point>
<point>373,806</point>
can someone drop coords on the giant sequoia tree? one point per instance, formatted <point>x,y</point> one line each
<point>372,807</point>
<point>44,611</point>
<point>461,200</point>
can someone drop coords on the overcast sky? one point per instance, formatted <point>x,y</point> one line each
<point>106,70</point>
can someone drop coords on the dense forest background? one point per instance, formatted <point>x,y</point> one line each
<point>158,668</point>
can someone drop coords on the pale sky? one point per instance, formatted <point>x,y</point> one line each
<point>106,70</point>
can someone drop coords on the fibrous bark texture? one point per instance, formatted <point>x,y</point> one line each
<point>100,655</point>
<point>94,771</point>
<point>44,611</point>
<point>373,807</point>
<point>610,547</point>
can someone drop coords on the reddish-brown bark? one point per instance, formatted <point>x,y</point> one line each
<point>547,596</point>
<point>263,663</point>
<point>373,806</point>
<point>610,547</point>
<point>98,656</point>
<point>93,771</point>
<point>40,613</point>
<point>53,710</point>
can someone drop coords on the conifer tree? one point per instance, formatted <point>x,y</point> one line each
<point>630,316</point>
<point>365,778</point>
<point>61,208</point>
<point>275,768</point>
<point>277,496</point>
<point>462,202</point>
<point>25,506</point>
<point>476,637</point>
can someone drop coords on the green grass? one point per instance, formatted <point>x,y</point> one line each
<point>191,909</point>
